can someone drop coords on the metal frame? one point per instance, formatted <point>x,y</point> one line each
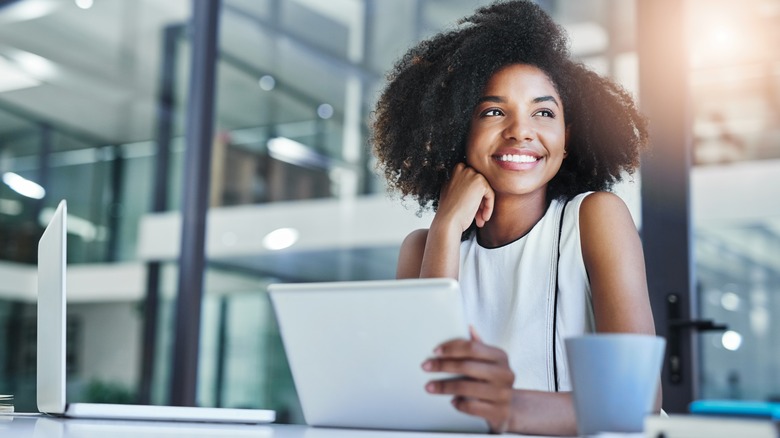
<point>165,122</point>
<point>195,191</point>
<point>666,225</point>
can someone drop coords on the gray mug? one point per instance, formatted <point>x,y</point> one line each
<point>614,380</point>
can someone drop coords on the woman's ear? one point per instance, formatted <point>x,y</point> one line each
<point>566,142</point>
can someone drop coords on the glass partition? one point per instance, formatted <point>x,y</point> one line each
<point>735,82</point>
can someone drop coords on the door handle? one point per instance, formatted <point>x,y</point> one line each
<point>701,325</point>
<point>676,325</point>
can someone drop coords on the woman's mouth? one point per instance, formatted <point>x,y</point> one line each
<point>517,161</point>
<point>519,158</point>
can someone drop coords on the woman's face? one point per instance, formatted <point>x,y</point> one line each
<point>517,137</point>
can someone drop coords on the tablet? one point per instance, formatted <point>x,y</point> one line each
<point>355,351</point>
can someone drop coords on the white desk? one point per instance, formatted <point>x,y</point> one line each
<point>37,426</point>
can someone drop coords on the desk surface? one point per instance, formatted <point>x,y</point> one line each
<point>38,426</point>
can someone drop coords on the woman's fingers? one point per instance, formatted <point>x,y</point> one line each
<point>472,349</point>
<point>466,197</point>
<point>486,208</point>
<point>484,382</point>
<point>475,370</point>
<point>473,360</point>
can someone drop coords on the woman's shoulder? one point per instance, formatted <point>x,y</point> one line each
<point>598,209</point>
<point>413,245</point>
<point>416,238</point>
<point>600,203</point>
<point>411,254</point>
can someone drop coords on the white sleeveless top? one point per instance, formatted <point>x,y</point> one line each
<point>509,296</point>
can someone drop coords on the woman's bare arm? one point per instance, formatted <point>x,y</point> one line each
<point>615,262</point>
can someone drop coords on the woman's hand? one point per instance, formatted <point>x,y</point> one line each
<point>465,198</point>
<point>485,388</point>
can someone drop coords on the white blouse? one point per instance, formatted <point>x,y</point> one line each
<point>509,296</point>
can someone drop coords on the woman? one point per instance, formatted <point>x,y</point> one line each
<point>515,146</point>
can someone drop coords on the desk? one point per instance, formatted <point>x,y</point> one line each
<point>39,426</point>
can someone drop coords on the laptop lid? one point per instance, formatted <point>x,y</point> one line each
<point>355,351</point>
<point>52,249</point>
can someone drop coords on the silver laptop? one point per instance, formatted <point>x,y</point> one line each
<point>356,349</point>
<point>52,250</point>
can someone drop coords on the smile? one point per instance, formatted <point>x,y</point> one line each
<point>517,158</point>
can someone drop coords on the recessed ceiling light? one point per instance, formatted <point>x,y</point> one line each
<point>84,4</point>
<point>267,82</point>
<point>325,111</point>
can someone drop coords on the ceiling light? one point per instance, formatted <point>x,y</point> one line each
<point>267,82</point>
<point>13,78</point>
<point>325,111</point>
<point>280,239</point>
<point>84,4</point>
<point>34,65</point>
<point>14,12</point>
<point>23,186</point>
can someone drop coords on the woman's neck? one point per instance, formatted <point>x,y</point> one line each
<point>513,217</point>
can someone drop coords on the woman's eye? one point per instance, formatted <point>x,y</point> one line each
<point>492,112</point>
<point>545,113</point>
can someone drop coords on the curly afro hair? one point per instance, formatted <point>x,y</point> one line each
<point>423,115</point>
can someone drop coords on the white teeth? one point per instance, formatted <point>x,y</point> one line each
<point>518,158</point>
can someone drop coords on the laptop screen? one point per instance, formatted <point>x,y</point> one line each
<point>52,250</point>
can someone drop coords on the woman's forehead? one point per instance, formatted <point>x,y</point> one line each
<point>520,77</point>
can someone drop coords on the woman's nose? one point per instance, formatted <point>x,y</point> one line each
<point>518,129</point>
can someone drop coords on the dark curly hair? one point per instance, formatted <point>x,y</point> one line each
<point>422,118</point>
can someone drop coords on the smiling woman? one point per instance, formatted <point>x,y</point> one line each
<point>514,145</point>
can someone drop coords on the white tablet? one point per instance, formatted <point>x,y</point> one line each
<point>356,348</point>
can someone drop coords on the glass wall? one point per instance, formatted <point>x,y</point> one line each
<point>735,82</point>
<point>79,84</point>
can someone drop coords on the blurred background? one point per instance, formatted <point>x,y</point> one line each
<point>93,97</point>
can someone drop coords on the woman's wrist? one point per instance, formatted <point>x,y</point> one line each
<point>442,252</point>
<point>445,228</point>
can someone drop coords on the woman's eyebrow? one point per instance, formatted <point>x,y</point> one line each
<point>546,99</point>
<point>499,99</point>
<point>495,99</point>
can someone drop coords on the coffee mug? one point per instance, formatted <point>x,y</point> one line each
<point>614,380</point>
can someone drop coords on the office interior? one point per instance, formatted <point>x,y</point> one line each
<point>94,100</point>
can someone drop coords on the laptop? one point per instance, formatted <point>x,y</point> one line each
<point>356,348</point>
<point>52,302</point>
